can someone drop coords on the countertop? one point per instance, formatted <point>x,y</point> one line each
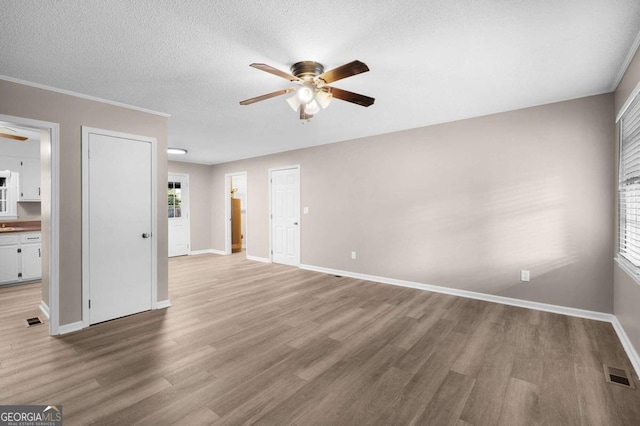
<point>20,226</point>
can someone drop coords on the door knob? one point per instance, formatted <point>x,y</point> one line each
<point>295,223</point>
<point>145,235</point>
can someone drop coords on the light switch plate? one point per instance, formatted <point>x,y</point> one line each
<point>525,276</point>
<point>305,210</point>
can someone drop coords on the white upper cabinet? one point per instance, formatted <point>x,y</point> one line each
<point>29,179</point>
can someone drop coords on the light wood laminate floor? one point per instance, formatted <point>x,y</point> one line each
<point>251,343</point>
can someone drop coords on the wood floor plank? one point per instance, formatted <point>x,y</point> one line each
<point>252,343</point>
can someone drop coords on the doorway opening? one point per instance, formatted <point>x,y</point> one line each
<point>236,212</point>
<point>178,215</point>
<point>31,160</point>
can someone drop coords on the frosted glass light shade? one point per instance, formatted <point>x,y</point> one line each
<point>293,102</point>
<point>323,98</point>
<point>305,94</point>
<point>312,108</point>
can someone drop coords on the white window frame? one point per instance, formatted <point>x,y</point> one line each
<point>628,249</point>
<point>11,197</point>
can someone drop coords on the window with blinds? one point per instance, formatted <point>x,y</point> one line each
<point>629,185</point>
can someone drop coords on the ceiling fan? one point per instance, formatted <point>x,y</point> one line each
<point>10,136</point>
<point>313,90</point>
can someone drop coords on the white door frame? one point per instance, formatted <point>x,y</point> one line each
<point>185,176</point>
<point>227,210</point>
<point>52,181</point>
<point>86,131</point>
<point>275,169</point>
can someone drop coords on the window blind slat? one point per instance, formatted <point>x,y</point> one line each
<point>629,185</point>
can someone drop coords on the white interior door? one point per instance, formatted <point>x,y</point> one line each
<point>117,250</point>
<point>178,211</point>
<point>285,216</point>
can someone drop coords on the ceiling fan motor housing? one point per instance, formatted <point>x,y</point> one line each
<point>307,70</point>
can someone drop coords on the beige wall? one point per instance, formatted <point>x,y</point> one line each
<point>72,113</point>
<point>465,205</point>
<point>28,211</point>
<point>626,290</point>
<point>199,201</point>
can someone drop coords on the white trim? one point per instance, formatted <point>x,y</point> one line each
<point>259,259</point>
<point>270,180</point>
<point>563,310</point>
<point>86,131</point>
<point>626,104</point>
<point>70,328</point>
<point>44,308</point>
<point>580,313</point>
<point>54,211</point>
<point>81,95</point>
<point>185,176</point>
<point>627,60</point>
<point>626,344</point>
<point>207,251</point>
<point>227,208</point>
<point>627,268</point>
<point>163,304</point>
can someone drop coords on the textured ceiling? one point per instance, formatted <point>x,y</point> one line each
<point>431,61</point>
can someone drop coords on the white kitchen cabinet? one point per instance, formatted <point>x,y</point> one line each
<point>29,179</point>
<point>31,262</point>
<point>20,257</point>
<point>9,258</point>
<point>30,256</point>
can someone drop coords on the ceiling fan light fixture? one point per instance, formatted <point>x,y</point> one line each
<point>312,107</point>
<point>293,102</point>
<point>305,93</point>
<point>323,98</point>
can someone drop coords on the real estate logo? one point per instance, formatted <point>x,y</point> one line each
<point>30,415</point>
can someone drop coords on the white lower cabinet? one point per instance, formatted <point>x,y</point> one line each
<point>9,263</point>
<point>20,257</point>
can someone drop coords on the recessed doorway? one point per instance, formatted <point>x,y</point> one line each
<point>236,208</point>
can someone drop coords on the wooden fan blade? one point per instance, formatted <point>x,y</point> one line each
<point>275,71</point>
<point>344,71</point>
<point>16,137</point>
<point>354,98</point>
<point>267,96</point>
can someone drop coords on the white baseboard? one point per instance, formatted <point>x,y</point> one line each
<point>563,310</point>
<point>44,308</point>
<point>581,313</point>
<point>163,304</point>
<point>206,251</point>
<point>259,259</point>
<point>70,328</point>
<point>628,346</point>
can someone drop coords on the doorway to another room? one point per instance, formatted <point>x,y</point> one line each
<point>29,196</point>
<point>178,213</point>
<point>236,212</point>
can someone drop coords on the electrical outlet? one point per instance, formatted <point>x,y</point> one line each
<point>525,276</point>
<point>353,255</point>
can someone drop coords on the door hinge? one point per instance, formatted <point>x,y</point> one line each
<point>19,250</point>
<point>89,303</point>
<point>21,163</point>
<point>271,251</point>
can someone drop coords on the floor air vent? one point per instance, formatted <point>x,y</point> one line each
<point>32,322</point>
<point>618,376</point>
